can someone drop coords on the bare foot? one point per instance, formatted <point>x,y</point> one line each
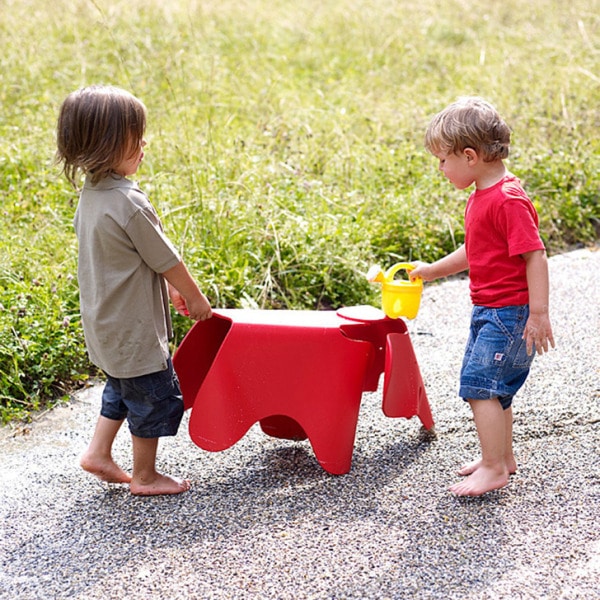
<point>480,481</point>
<point>161,485</point>
<point>104,469</point>
<point>471,467</point>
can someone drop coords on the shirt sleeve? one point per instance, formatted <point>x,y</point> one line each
<point>519,219</point>
<point>153,246</point>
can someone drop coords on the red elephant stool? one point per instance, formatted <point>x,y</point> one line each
<point>300,374</point>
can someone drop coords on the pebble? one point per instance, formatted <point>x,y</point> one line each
<point>263,520</point>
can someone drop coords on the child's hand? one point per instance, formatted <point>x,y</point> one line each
<point>178,302</point>
<point>422,270</point>
<point>538,332</point>
<point>198,308</point>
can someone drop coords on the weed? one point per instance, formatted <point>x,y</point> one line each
<point>285,145</point>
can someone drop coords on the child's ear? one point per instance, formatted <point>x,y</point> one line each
<point>471,156</point>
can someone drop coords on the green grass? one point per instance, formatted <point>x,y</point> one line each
<point>285,145</point>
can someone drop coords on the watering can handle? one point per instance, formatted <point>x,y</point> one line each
<point>389,274</point>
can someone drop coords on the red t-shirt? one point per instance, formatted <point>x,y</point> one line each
<point>501,223</point>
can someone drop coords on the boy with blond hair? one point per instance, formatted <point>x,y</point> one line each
<point>508,273</point>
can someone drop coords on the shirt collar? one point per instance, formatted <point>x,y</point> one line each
<point>109,182</point>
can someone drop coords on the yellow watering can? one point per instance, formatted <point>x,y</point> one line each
<point>399,298</point>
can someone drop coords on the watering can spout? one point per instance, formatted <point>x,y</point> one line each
<point>375,274</point>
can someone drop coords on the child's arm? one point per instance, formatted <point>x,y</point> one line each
<point>455,262</point>
<point>185,295</point>
<point>538,330</point>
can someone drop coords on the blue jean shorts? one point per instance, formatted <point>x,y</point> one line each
<point>496,363</point>
<point>152,404</point>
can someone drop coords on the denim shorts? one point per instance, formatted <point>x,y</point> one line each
<point>152,404</point>
<point>496,363</point>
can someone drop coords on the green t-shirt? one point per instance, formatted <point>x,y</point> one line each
<point>124,298</point>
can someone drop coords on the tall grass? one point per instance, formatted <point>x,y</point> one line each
<point>285,144</point>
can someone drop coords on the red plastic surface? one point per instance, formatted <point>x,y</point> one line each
<point>300,374</point>
<point>403,389</point>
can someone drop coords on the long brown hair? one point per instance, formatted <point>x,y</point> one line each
<point>98,126</point>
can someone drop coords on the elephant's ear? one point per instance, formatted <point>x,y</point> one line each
<point>196,353</point>
<point>403,389</point>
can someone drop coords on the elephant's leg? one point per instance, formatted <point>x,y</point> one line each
<point>332,435</point>
<point>404,393</point>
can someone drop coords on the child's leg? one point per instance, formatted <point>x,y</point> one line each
<point>492,472</point>
<point>145,480</point>
<point>511,463</point>
<point>97,459</point>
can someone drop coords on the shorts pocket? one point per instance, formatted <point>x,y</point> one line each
<point>512,320</point>
<point>522,359</point>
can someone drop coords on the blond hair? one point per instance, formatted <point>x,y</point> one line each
<point>98,127</point>
<point>470,122</point>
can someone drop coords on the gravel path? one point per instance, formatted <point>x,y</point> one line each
<point>263,520</point>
